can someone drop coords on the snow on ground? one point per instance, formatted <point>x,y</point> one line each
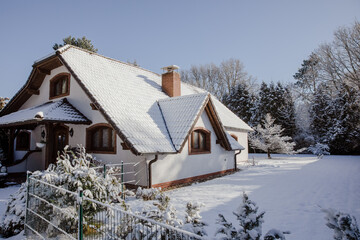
<point>289,188</point>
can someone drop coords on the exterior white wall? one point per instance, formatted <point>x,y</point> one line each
<point>182,165</point>
<point>243,140</point>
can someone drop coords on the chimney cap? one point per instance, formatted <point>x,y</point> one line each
<point>170,68</point>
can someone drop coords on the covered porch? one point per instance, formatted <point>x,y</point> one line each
<point>35,135</point>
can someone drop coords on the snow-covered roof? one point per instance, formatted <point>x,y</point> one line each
<point>58,111</point>
<point>147,117</point>
<point>180,114</point>
<point>133,102</point>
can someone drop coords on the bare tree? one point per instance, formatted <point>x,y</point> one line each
<point>218,80</point>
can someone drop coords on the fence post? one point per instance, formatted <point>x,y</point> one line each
<point>27,197</point>
<point>104,171</point>
<point>80,200</point>
<point>122,179</point>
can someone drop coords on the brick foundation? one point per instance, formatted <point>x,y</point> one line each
<point>189,180</point>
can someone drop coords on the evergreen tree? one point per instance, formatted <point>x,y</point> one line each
<point>79,42</point>
<point>193,220</point>
<point>344,133</point>
<point>240,102</point>
<point>269,138</point>
<point>249,219</point>
<point>321,115</point>
<point>250,222</point>
<point>3,102</point>
<point>286,112</point>
<point>345,226</point>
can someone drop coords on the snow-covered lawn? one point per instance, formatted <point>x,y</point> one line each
<point>289,188</point>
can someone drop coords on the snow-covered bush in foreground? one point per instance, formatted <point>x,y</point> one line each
<point>13,221</point>
<point>161,210</point>
<point>193,220</point>
<point>250,224</point>
<point>273,234</point>
<point>73,172</point>
<point>345,226</point>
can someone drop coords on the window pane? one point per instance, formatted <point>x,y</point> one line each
<point>195,140</point>
<point>202,140</point>
<point>105,138</point>
<point>57,88</point>
<point>112,139</point>
<point>95,140</point>
<point>64,86</point>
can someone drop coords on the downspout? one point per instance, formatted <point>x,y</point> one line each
<point>149,169</point>
<point>235,164</point>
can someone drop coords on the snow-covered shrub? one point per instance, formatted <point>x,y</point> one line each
<point>147,194</point>
<point>73,171</point>
<point>249,219</point>
<point>193,220</point>
<point>273,234</point>
<point>319,149</point>
<point>226,228</point>
<point>345,226</point>
<point>12,222</point>
<point>159,210</point>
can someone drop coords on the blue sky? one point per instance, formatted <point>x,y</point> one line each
<point>271,38</point>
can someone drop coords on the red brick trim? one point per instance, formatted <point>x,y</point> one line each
<point>191,179</point>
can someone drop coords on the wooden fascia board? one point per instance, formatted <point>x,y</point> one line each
<point>217,125</point>
<point>27,90</point>
<point>101,109</point>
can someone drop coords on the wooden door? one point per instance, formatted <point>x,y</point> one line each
<point>61,139</point>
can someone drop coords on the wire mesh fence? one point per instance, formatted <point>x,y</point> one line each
<point>50,211</point>
<point>122,171</point>
<point>56,213</point>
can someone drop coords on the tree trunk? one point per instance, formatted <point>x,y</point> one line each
<point>268,153</point>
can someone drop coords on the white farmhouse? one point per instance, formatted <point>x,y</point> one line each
<point>166,132</point>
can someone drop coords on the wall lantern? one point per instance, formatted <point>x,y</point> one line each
<point>71,132</point>
<point>43,134</point>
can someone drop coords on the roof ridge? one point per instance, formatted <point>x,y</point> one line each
<point>183,96</point>
<point>68,46</point>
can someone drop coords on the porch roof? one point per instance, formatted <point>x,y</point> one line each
<point>57,111</point>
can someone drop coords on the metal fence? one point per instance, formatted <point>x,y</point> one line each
<point>56,213</point>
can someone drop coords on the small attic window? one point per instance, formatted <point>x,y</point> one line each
<point>234,136</point>
<point>200,141</point>
<point>100,138</point>
<point>60,85</point>
<point>23,141</point>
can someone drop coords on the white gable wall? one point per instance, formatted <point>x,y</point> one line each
<point>182,165</point>
<point>243,140</point>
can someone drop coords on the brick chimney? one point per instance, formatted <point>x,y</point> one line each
<point>171,83</point>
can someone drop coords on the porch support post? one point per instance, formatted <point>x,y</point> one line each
<point>49,143</point>
<point>10,157</point>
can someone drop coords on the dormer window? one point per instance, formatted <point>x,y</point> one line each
<point>199,141</point>
<point>60,85</point>
<point>234,136</point>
